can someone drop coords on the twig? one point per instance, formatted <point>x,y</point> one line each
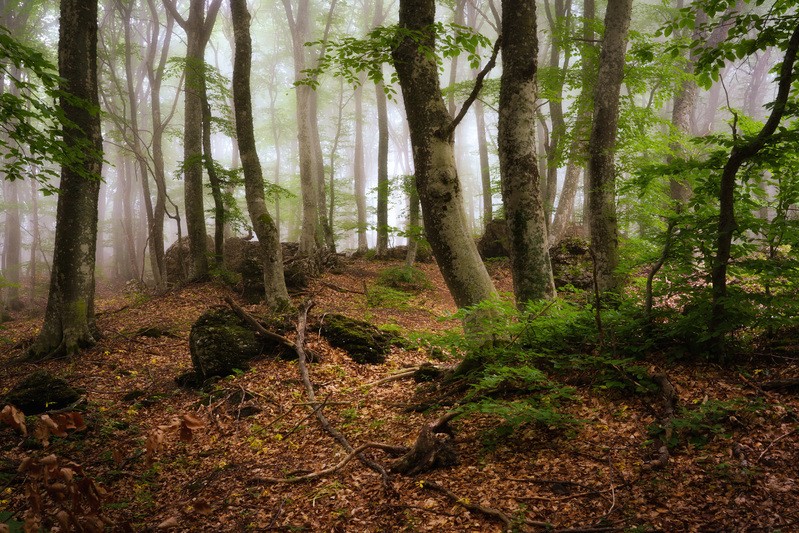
<point>394,377</point>
<point>337,435</point>
<point>249,319</point>
<point>487,511</point>
<point>775,441</point>
<point>333,469</point>
<point>341,289</point>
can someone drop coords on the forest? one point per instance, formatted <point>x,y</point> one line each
<point>399,265</point>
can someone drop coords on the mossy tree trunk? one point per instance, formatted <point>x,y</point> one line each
<point>69,318</point>
<point>433,153</point>
<point>601,175</point>
<point>521,190</point>
<point>276,295</point>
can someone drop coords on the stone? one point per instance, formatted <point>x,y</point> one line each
<point>362,341</point>
<point>221,342</point>
<point>41,391</point>
<point>495,241</point>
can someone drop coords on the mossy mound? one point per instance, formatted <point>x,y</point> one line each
<point>365,343</point>
<point>405,278</point>
<point>221,342</point>
<point>41,391</point>
<point>571,263</point>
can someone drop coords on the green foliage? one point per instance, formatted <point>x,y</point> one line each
<point>32,123</point>
<point>347,57</point>
<point>698,425</point>
<point>404,278</point>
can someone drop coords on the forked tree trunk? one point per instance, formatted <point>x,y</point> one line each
<point>69,318</point>
<point>434,159</point>
<point>276,295</point>
<point>521,192</point>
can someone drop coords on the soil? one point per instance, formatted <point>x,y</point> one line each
<point>183,459</point>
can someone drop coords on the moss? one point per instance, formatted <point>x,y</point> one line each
<point>41,391</point>
<point>364,342</point>
<point>405,278</point>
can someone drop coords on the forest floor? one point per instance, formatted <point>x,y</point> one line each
<point>742,475</point>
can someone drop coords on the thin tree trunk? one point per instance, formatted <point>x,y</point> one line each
<point>276,295</point>
<point>382,171</point>
<point>603,223</point>
<point>213,178</point>
<point>529,252</point>
<point>359,173</point>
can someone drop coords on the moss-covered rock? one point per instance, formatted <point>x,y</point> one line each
<point>571,263</point>
<point>41,391</point>
<point>221,342</point>
<point>364,342</point>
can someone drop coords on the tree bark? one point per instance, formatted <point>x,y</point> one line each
<point>198,28</point>
<point>276,295</point>
<point>603,224</point>
<point>581,132</point>
<point>69,318</point>
<point>359,173</point>
<point>213,178</point>
<point>727,225</point>
<point>382,171</point>
<point>437,180</point>
<point>521,192</point>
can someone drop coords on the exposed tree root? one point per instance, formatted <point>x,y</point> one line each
<point>669,394</point>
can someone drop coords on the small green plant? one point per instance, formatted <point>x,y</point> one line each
<point>386,297</point>
<point>405,278</point>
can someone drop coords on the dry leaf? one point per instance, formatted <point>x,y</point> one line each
<point>14,418</point>
<point>169,522</point>
<point>203,507</point>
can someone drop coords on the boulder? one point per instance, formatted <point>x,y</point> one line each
<point>495,241</point>
<point>364,342</point>
<point>41,391</point>
<point>221,342</point>
<point>178,261</point>
<point>242,256</point>
<point>571,263</point>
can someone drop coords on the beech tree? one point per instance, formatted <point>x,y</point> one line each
<point>276,295</point>
<point>601,182</point>
<point>521,190</point>
<point>69,319</point>
<point>198,26</point>
<point>432,128</point>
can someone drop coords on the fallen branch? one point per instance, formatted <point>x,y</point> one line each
<point>249,319</point>
<point>781,384</point>
<point>333,469</point>
<point>306,380</point>
<point>394,377</point>
<point>490,512</point>
<point>670,398</point>
<point>341,289</point>
<point>775,441</point>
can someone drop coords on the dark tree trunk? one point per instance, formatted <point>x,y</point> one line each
<point>603,225</point>
<point>213,178</point>
<point>69,318</point>
<point>433,152</point>
<point>276,296</point>
<point>521,192</point>
<point>382,171</point>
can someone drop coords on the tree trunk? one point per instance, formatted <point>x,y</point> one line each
<point>69,318</point>
<point>581,131</point>
<point>529,251</point>
<point>35,240</point>
<point>433,152</point>
<point>603,225</point>
<point>198,28</point>
<point>213,178</point>
<point>382,171</point>
<point>359,173</point>
<point>276,296</point>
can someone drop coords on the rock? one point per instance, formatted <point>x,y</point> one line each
<point>242,256</point>
<point>423,253</point>
<point>221,342</point>
<point>41,391</point>
<point>364,342</point>
<point>495,241</point>
<point>571,263</point>
<point>178,261</point>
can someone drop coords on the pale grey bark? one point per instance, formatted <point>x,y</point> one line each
<point>521,192</point>
<point>436,175</point>
<point>359,173</point>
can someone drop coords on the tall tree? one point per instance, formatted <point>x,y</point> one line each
<point>581,130</point>
<point>432,128</point>
<point>276,295</point>
<point>521,190</point>
<point>69,319</point>
<point>382,152</point>
<point>603,224</point>
<point>198,27</point>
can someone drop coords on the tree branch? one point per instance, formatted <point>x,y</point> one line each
<point>478,85</point>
